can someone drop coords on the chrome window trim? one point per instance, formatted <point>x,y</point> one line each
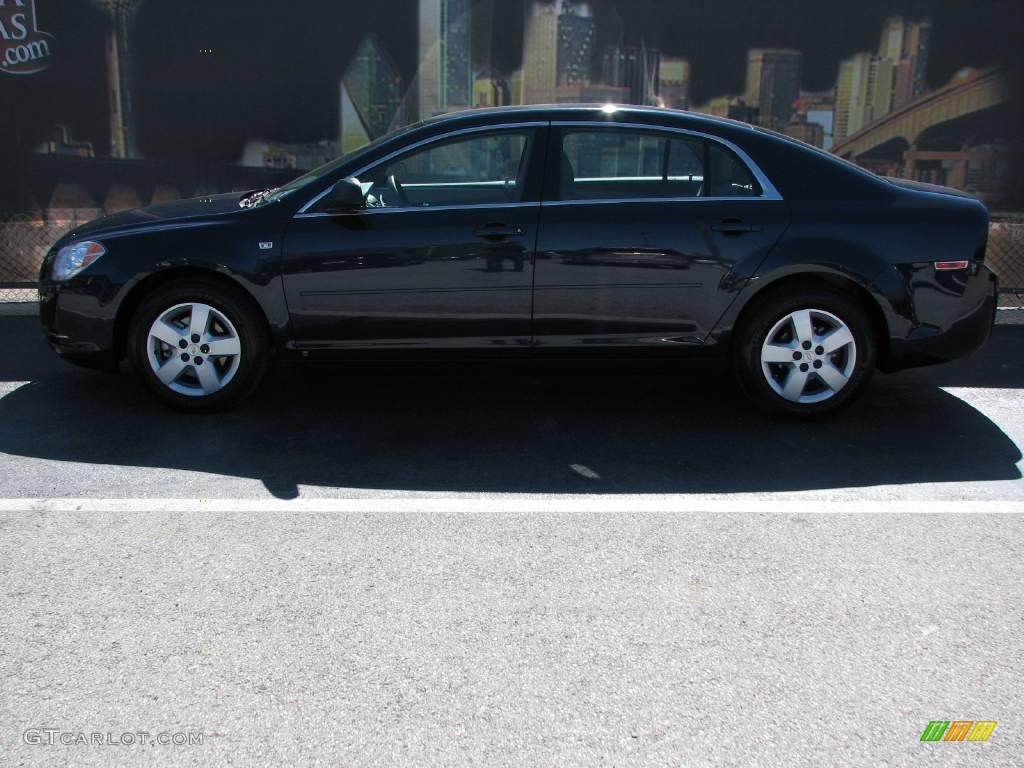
<point>421,143</point>
<point>768,190</point>
<point>620,200</point>
<point>418,208</point>
<point>490,183</point>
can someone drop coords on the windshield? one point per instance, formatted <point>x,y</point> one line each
<point>306,179</point>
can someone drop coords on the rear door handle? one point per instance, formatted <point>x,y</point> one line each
<point>498,231</point>
<point>733,227</point>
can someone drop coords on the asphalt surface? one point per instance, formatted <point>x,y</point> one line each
<point>495,639</point>
<point>948,432</point>
<point>402,634</point>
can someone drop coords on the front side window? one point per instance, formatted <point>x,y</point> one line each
<point>479,169</point>
<point>613,164</point>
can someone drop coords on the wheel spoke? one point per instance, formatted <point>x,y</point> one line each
<point>836,340</point>
<point>170,370</point>
<point>200,320</point>
<point>166,333</point>
<point>832,376</point>
<point>795,384</point>
<point>778,353</point>
<point>224,346</point>
<point>802,328</point>
<point>207,376</point>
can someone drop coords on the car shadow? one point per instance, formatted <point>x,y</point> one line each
<point>515,430</point>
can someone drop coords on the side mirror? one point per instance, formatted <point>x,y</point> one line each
<point>346,195</point>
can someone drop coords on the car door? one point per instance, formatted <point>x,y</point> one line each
<point>439,256</point>
<point>640,231</point>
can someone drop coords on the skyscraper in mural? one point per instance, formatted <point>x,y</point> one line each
<point>674,83</point>
<point>905,44</point>
<point>558,48</point>
<point>371,95</point>
<point>123,140</point>
<point>445,78</point>
<point>576,30</point>
<point>872,85</point>
<point>851,106</point>
<point>634,68</point>
<point>773,84</point>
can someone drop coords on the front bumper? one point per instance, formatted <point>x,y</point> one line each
<point>79,326</point>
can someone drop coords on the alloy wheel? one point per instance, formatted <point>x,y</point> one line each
<point>194,349</point>
<point>808,356</point>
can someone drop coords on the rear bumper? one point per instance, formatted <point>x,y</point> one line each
<point>950,324</point>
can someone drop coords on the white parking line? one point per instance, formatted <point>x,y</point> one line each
<point>6,387</point>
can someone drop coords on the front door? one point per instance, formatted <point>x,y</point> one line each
<point>440,256</point>
<point>640,235</point>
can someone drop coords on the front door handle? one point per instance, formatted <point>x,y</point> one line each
<point>499,231</point>
<point>733,227</point>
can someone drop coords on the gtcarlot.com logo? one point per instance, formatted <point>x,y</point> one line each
<point>958,730</point>
<point>60,737</point>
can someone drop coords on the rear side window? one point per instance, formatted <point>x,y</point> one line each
<point>612,164</point>
<point>729,176</point>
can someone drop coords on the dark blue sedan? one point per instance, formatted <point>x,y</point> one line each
<point>568,232</point>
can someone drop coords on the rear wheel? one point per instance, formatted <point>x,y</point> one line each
<point>198,345</point>
<point>805,353</point>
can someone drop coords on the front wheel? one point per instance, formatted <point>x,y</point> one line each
<point>198,345</point>
<point>805,353</point>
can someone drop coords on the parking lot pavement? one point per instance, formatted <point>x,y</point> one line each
<point>948,432</point>
<point>426,581</point>
<point>561,639</point>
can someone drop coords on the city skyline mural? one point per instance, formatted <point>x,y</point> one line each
<point>130,103</point>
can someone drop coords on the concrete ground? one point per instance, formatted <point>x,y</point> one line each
<point>509,568</point>
<point>949,432</point>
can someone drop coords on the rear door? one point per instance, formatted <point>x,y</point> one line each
<point>440,256</point>
<point>639,236</point>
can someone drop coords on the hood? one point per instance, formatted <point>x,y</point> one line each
<point>920,186</point>
<point>166,213</point>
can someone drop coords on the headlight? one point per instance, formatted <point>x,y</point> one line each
<point>72,259</point>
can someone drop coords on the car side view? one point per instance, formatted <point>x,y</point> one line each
<point>547,232</point>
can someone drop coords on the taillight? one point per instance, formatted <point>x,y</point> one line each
<point>949,266</point>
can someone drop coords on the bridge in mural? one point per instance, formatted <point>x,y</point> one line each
<point>954,135</point>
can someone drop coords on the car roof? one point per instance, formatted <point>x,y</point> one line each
<point>592,111</point>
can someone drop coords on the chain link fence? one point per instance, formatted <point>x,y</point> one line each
<point>24,242</point>
<point>1005,255</point>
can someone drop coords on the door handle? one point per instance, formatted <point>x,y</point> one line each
<point>733,227</point>
<point>498,231</point>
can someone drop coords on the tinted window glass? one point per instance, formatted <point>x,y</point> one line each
<point>612,164</point>
<point>614,154</point>
<point>685,159</point>
<point>622,164</point>
<point>474,170</point>
<point>730,177</point>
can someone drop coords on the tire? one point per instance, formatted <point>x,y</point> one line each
<point>193,377</point>
<point>828,375</point>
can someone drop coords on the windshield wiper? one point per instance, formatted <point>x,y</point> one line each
<point>255,198</point>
